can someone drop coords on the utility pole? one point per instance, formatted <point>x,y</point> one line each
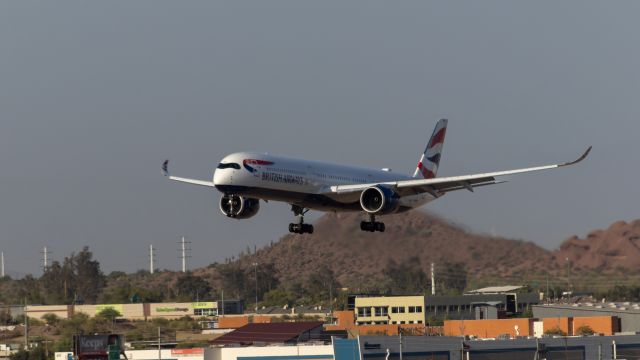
<point>152,256</point>
<point>184,256</point>
<point>255,269</point>
<point>26,326</point>
<point>222,302</point>
<point>547,293</point>
<point>159,351</point>
<point>2,267</point>
<point>433,279</point>
<point>400,334</point>
<point>568,275</point>
<point>331,298</point>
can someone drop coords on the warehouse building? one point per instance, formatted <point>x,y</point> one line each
<point>412,348</point>
<point>518,327</point>
<point>496,302</point>
<point>628,314</point>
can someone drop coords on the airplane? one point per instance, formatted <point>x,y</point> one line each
<point>245,178</point>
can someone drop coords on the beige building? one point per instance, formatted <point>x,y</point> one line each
<point>38,311</point>
<point>382,310</point>
<point>178,310</point>
<point>129,311</point>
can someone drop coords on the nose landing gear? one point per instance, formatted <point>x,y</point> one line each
<point>299,227</point>
<point>372,225</point>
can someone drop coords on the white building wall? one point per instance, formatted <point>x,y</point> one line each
<point>166,354</point>
<point>232,353</point>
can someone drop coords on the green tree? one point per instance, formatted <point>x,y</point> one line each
<point>51,319</point>
<point>234,279</point>
<point>36,353</point>
<point>89,278</point>
<point>406,277</point>
<point>320,284</point>
<point>453,278</point>
<point>109,313</point>
<point>28,288</point>
<point>191,287</point>
<point>278,297</point>
<point>53,284</point>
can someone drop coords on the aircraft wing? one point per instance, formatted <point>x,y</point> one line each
<point>439,186</point>
<point>165,172</point>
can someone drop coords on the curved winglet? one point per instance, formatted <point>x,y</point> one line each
<point>165,168</point>
<point>582,157</point>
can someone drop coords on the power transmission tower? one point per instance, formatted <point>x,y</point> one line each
<point>152,258</point>
<point>45,259</point>
<point>183,253</point>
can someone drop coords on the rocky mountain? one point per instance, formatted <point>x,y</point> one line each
<point>612,249</point>
<point>359,257</point>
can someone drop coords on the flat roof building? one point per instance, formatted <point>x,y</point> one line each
<point>383,310</point>
<point>627,313</point>
<point>141,311</point>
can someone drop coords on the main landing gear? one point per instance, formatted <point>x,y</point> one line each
<point>372,225</point>
<point>299,227</point>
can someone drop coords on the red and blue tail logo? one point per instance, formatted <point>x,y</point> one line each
<point>248,162</point>
<point>430,159</point>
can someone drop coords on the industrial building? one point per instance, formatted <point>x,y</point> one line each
<point>142,311</point>
<point>496,302</point>
<point>519,327</point>
<point>627,313</point>
<point>412,348</point>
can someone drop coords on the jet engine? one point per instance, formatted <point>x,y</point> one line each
<point>379,200</point>
<point>238,207</point>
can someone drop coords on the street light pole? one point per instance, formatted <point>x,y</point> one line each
<point>255,268</point>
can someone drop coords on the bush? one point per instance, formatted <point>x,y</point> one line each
<point>51,319</point>
<point>584,330</point>
<point>555,331</point>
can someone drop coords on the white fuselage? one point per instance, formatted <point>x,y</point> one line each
<point>302,182</point>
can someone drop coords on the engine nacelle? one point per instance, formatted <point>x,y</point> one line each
<point>238,207</point>
<point>379,200</point>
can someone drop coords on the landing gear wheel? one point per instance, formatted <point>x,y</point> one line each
<point>372,225</point>
<point>307,228</point>
<point>299,227</point>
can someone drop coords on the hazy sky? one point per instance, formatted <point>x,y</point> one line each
<point>95,95</point>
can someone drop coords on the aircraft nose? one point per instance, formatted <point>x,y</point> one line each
<point>221,177</point>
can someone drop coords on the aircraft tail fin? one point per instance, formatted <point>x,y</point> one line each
<point>430,159</point>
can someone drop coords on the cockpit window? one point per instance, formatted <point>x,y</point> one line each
<point>229,166</point>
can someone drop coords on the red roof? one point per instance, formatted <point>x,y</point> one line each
<point>267,333</point>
